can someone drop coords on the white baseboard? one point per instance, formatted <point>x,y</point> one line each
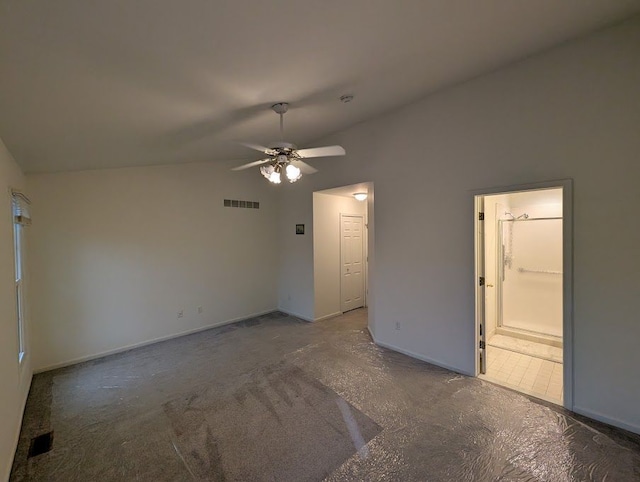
<point>606,419</point>
<point>419,357</point>
<point>297,315</point>
<point>95,356</point>
<point>326,317</point>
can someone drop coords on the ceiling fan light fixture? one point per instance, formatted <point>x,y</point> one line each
<point>275,177</point>
<point>266,171</point>
<point>293,173</point>
<point>360,196</point>
<point>271,173</point>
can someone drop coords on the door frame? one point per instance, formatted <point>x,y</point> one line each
<point>364,259</point>
<point>567,276</point>
<point>480,287</point>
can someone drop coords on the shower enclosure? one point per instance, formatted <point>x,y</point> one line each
<point>530,277</point>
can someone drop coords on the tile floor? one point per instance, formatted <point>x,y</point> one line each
<point>533,376</point>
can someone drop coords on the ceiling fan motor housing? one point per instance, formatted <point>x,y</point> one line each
<point>283,147</point>
<point>280,107</point>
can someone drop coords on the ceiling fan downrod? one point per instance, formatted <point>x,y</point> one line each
<point>282,162</point>
<point>281,109</point>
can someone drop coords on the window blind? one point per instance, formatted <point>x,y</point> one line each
<point>20,204</point>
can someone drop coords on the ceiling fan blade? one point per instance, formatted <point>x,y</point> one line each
<point>327,151</point>
<point>258,147</point>
<point>304,167</point>
<point>251,164</point>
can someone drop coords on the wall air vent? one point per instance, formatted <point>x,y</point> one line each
<point>234,203</point>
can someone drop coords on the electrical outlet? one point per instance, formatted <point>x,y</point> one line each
<point>181,314</point>
<point>200,310</point>
<point>398,325</point>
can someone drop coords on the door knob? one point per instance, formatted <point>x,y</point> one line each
<point>489,286</point>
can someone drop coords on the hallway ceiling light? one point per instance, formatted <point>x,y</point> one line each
<point>360,196</point>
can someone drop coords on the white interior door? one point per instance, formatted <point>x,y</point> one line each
<point>351,261</point>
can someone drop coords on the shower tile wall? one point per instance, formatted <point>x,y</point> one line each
<point>528,374</point>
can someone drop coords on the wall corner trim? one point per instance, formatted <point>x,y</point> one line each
<point>371,333</point>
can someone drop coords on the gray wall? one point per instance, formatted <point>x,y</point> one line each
<point>572,112</point>
<point>116,253</point>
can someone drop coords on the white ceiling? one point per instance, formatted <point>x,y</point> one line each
<point>119,82</point>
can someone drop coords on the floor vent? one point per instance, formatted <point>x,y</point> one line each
<point>234,203</point>
<point>40,444</point>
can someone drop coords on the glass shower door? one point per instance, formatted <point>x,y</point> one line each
<point>530,281</point>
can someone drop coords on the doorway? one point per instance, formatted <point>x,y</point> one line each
<point>342,249</point>
<point>351,261</point>
<point>523,296</point>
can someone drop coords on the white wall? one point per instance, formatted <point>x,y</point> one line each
<point>15,377</point>
<point>117,253</point>
<point>295,266</point>
<point>326,254</point>
<point>572,112</point>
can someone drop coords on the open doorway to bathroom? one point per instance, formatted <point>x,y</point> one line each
<point>522,311</point>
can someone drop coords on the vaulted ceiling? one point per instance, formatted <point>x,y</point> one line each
<point>88,84</point>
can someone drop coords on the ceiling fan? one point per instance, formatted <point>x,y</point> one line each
<point>284,157</point>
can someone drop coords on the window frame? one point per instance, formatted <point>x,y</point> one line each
<point>18,257</point>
